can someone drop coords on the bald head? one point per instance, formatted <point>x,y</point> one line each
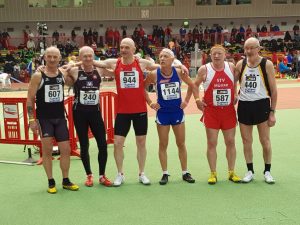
<point>52,50</point>
<point>128,41</point>
<point>85,50</point>
<point>252,42</point>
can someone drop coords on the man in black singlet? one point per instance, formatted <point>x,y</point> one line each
<point>87,113</point>
<point>46,89</point>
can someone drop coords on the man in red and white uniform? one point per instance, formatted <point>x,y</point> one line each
<point>218,109</point>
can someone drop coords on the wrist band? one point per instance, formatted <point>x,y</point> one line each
<point>197,99</point>
<point>151,104</point>
<point>31,120</point>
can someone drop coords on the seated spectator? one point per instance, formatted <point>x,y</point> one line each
<point>287,37</point>
<point>283,68</point>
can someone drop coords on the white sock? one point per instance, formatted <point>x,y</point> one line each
<point>184,172</point>
<point>166,172</point>
<point>142,174</point>
<point>100,177</point>
<point>120,174</point>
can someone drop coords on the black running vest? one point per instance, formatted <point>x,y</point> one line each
<point>86,89</point>
<point>50,97</point>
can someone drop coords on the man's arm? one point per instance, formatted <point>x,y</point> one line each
<point>32,90</point>
<point>272,83</point>
<point>70,76</point>
<point>106,72</point>
<point>192,89</point>
<point>236,78</point>
<point>148,65</point>
<point>201,76</point>
<point>108,63</point>
<point>150,79</point>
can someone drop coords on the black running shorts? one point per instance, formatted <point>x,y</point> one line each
<point>123,123</point>
<point>253,113</point>
<point>56,128</point>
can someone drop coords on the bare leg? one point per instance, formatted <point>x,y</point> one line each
<point>118,152</point>
<point>163,134</point>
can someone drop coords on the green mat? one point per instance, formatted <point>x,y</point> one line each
<point>24,200</point>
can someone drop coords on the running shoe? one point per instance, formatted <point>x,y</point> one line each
<point>213,178</point>
<point>233,177</point>
<point>188,178</point>
<point>164,180</point>
<point>89,180</point>
<point>268,178</point>
<point>249,176</point>
<point>144,180</point>
<point>105,181</point>
<point>119,180</point>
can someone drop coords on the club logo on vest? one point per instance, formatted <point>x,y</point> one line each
<point>82,77</point>
<point>59,80</point>
<point>89,83</point>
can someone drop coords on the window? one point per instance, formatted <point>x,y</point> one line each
<point>223,2</point>
<point>37,3</point>
<point>145,2</point>
<point>279,1</point>
<point>203,2</point>
<point>123,3</point>
<point>165,2</point>
<point>241,2</point>
<point>61,3</point>
<point>83,3</point>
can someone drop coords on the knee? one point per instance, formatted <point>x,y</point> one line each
<point>141,143</point>
<point>211,144</point>
<point>163,145</point>
<point>247,140</point>
<point>265,142</point>
<point>180,145</point>
<point>230,143</point>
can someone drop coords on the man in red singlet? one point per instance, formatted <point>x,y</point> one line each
<point>218,109</point>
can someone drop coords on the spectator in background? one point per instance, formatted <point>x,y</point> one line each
<point>296,32</point>
<point>85,37</point>
<point>258,28</point>
<point>264,28</point>
<point>284,69</point>
<point>287,37</point>
<point>182,31</point>
<point>5,37</point>
<point>117,37</point>
<point>25,37</point>
<point>55,36</point>
<point>95,36</point>
<point>90,36</point>
<point>168,34</point>
<point>124,33</point>
<point>276,28</point>
<point>73,35</point>
<point>248,31</point>
<point>30,44</point>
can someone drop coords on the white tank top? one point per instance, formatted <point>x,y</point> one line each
<point>210,73</point>
<point>253,86</point>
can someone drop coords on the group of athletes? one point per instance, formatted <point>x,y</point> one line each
<point>256,106</point>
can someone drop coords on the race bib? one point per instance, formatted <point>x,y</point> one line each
<point>252,83</point>
<point>129,79</point>
<point>221,97</point>
<point>170,91</point>
<point>54,93</point>
<point>89,97</point>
